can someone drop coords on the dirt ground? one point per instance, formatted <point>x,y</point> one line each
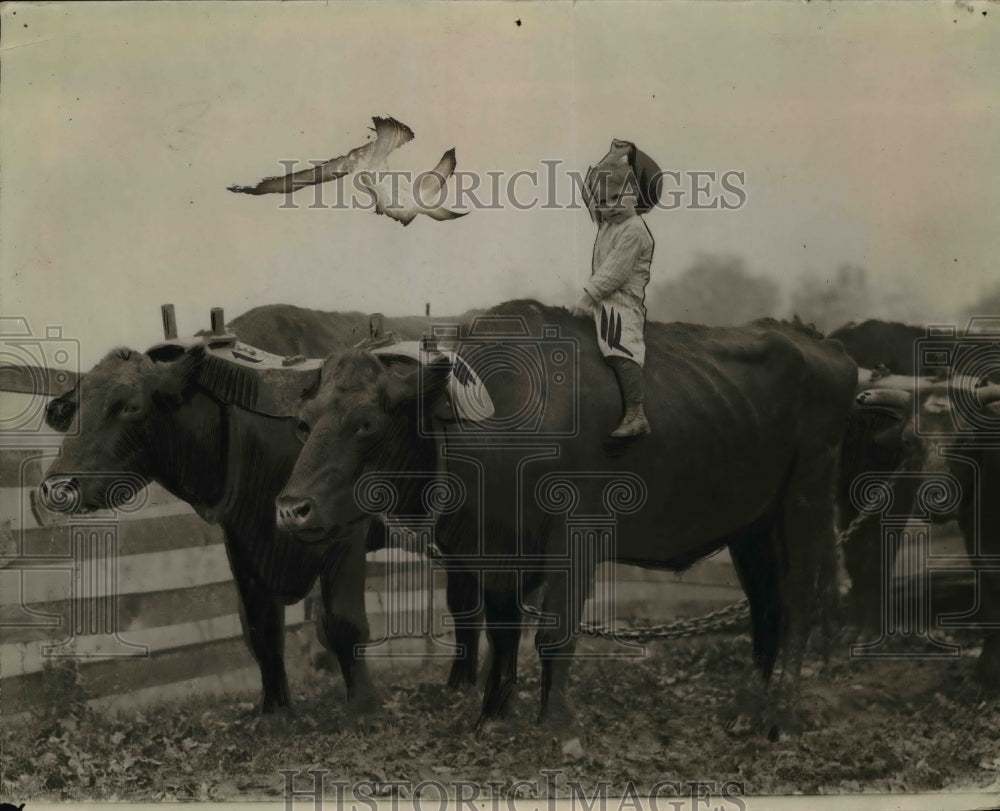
<point>903,725</point>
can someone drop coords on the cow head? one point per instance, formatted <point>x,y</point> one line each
<point>111,409</point>
<point>918,413</point>
<point>359,417</point>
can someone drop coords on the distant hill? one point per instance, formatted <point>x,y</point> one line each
<point>288,330</point>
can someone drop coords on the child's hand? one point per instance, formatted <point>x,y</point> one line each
<point>584,308</point>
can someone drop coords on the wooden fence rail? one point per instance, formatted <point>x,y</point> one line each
<point>169,592</point>
<point>174,603</point>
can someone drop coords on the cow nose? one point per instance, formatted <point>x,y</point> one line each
<point>293,513</point>
<point>60,494</point>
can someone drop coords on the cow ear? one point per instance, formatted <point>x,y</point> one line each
<point>422,385</point>
<point>59,413</point>
<point>173,376</point>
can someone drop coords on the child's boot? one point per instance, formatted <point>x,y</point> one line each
<point>629,375</point>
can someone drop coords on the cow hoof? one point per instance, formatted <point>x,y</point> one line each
<point>501,727</point>
<point>462,681</point>
<point>741,725</point>
<point>479,728</point>
<point>364,712</point>
<point>988,665</point>
<point>848,635</point>
<point>746,715</point>
<point>324,660</point>
<point>783,723</point>
<point>987,675</point>
<point>269,709</point>
<point>275,721</point>
<point>463,690</point>
<point>559,716</point>
<point>488,724</point>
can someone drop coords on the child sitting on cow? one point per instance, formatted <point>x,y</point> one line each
<point>620,188</point>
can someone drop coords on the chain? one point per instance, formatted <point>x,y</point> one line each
<point>850,529</point>
<point>731,616</point>
<point>734,615</point>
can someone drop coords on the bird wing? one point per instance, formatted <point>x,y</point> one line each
<point>433,181</point>
<point>444,213</point>
<point>389,135</point>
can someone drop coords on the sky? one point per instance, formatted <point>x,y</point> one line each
<point>867,133</point>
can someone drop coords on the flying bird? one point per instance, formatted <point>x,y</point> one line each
<point>389,134</point>
<point>402,197</point>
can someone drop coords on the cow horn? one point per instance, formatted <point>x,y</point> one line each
<point>893,398</point>
<point>882,378</point>
<point>988,394</point>
<point>865,375</point>
<point>895,382</point>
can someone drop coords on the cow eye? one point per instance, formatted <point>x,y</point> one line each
<point>365,428</point>
<point>302,431</point>
<point>130,410</point>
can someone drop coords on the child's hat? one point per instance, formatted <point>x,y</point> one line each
<point>625,168</point>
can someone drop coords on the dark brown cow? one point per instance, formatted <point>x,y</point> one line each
<point>747,422</point>
<point>904,424</point>
<point>169,417</point>
<point>876,343</point>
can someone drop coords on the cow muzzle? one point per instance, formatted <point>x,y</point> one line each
<point>60,494</point>
<point>295,514</point>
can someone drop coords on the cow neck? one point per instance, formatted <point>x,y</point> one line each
<point>261,451</point>
<point>188,447</point>
<point>410,450</point>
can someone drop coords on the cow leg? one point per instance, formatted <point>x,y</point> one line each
<point>263,619</point>
<point>988,664</point>
<point>987,670</point>
<point>808,544</point>
<point>464,603</point>
<point>503,631</point>
<point>343,626</point>
<point>863,562</point>
<point>757,561</point>
<point>565,594</point>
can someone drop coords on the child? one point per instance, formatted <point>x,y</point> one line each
<point>617,191</point>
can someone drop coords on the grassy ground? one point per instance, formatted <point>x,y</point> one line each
<point>874,726</point>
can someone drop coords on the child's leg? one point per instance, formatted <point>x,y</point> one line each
<point>629,375</point>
